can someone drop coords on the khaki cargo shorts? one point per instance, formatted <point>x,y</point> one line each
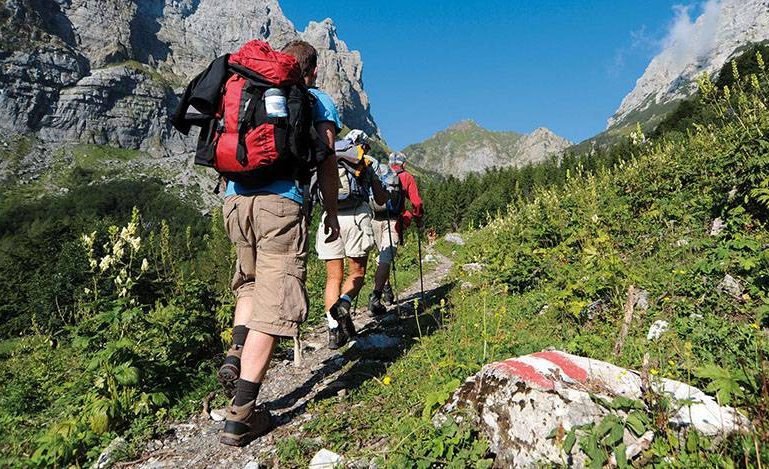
<point>270,236</point>
<point>355,235</point>
<point>386,243</point>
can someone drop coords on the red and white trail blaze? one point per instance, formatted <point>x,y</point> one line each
<point>539,369</point>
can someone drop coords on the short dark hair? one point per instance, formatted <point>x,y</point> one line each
<point>305,54</point>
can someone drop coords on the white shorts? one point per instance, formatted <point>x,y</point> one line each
<point>386,243</point>
<point>356,237</point>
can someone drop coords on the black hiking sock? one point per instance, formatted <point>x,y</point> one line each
<point>245,392</point>
<point>239,334</point>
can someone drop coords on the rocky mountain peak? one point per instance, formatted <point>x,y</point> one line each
<point>324,35</point>
<point>542,132</point>
<point>692,48</point>
<point>465,148</point>
<point>463,126</point>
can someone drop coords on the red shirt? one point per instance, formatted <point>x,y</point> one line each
<point>409,185</point>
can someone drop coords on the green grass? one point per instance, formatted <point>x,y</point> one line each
<point>8,346</point>
<point>94,156</point>
<point>644,224</point>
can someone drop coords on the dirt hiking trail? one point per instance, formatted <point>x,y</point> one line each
<point>288,389</point>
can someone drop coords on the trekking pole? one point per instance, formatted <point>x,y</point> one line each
<point>394,271</point>
<point>421,276</point>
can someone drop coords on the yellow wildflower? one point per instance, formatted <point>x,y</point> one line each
<point>654,371</point>
<point>386,380</point>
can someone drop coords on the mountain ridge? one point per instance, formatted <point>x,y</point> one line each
<point>465,147</point>
<point>692,49</point>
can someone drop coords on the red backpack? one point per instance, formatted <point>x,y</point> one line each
<point>246,145</point>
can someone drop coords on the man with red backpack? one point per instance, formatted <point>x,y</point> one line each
<point>264,134</point>
<point>389,224</point>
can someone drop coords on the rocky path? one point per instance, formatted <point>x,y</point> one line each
<point>288,389</point>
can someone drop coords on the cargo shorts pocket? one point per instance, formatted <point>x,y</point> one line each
<point>280,297</point>
<point>279,223</point>
<point>233,224</point>
<point>295,305</point>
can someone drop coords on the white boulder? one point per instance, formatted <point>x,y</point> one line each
<point>519,404</point>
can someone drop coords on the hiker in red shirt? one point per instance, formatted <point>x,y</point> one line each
<point>409,184</point>
<point>389,228</point>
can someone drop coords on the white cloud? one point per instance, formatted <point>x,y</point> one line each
<point>690,38</point>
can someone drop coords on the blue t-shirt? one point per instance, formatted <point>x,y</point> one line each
<point>324,111</point>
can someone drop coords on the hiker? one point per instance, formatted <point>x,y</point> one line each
<point>357,179</point>
<point>264,95</point>
<point>389,224</point>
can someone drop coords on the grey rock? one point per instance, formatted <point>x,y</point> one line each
<point>519,402</point>
<point>731,286</point>
<point>368,343</point>
<point>119,106</point>
<point>455,238</point>
<point>642,300</point>
<point>326,459</point>
<point>656,330</point>
<point>717,227</point>
<point>111,453</point>
<point>218,415</point>
<point>30,84</point>
<point>473,267</point>
<point>254,465</point>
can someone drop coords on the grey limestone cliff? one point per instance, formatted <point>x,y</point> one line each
<point>109,71</point>
<point>702,46</point>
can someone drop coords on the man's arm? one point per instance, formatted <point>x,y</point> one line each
<point>412,194</point>
<point>328,181</point>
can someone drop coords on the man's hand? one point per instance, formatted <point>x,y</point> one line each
<point>331,228</point>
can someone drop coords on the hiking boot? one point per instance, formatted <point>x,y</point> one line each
<point>341,334</point>
<point>230,370</point>
<point>336,338</point>
<point>388,296</point>
<point>341,314</point>
<point>375,305</point>
<point>245,423</point>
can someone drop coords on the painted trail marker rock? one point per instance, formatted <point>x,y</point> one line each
<point>518,403</point>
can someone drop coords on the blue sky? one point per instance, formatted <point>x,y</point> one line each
<point>507,64</point>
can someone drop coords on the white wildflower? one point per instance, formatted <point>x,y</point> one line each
<point>105,263</point>
<point>88,240</point>
<point>145,265</point>
<point>135,243</point>
<point>87,291</point>
<point>93,263</point>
